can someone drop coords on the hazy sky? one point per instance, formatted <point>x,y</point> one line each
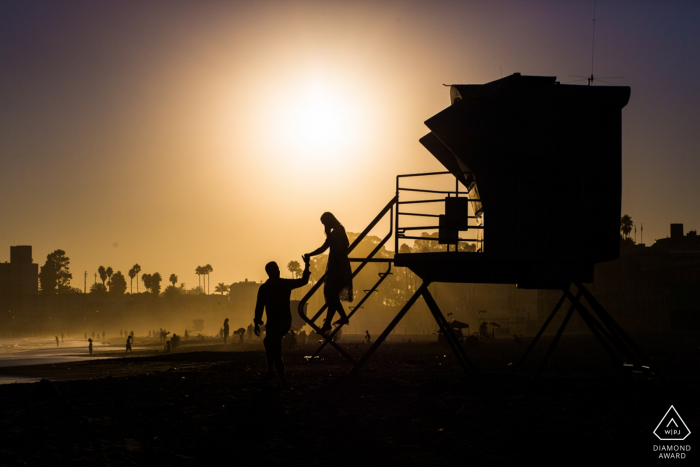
<point>175,134</point>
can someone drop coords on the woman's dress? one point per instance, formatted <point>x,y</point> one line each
<point>338,270</point>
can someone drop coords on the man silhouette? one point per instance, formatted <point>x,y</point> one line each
<point>273,296</point>
<point>225,331</point>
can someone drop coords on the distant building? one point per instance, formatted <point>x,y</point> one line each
<point>21,275</point>
<point>243,295</point>
<point>656,287</point>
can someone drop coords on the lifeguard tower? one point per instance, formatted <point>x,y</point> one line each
<point>536,190</point>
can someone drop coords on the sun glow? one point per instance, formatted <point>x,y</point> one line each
<point>320,123</point>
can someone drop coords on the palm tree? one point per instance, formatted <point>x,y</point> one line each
<point>221,288</point>
<point>626,225</point>
<point>155,283</point>
<point>109,273</point>
<point>199,270</point>
<point>132,274</point>
<point>173,279</point>
<point>295,268</point>
<point>207,270</point>
<point>103,274</point>
<point>146,278</point>
<point>137,270</point>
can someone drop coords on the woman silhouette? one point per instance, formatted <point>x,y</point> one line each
<point>338,271</point>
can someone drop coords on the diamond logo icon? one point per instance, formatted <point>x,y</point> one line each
<point>671,427</point>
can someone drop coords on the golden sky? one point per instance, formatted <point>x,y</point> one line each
<point>175,134</point>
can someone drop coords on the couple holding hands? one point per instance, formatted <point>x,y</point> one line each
<point>275,293</point>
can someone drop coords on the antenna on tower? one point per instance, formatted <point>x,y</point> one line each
<point>590,79</point>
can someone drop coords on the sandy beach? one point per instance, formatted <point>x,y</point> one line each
<point>411,405</point>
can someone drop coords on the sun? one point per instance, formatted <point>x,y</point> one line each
<point>322,120</point>
<point>318,122</point>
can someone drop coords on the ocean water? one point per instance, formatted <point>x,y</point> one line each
<point>40,351</point>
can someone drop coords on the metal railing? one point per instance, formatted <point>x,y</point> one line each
<point>404,232</point>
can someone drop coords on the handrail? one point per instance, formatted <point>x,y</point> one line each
<point>371,260</point>
<point>422,174</point>
<point>401,231</point>
<point>311,322</point>
<point>435,239</point>
<point>421,190</point>
<point>382,276</point>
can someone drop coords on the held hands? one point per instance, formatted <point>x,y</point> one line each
<point>257,329</point>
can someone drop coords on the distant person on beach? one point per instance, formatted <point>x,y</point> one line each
<point>90,346</point>
<point>56,341</point>
<point>249,333</point>
<point>338,271</point>
<point>483,330</point>
<point>61,337</point>
<point>128,345</point>
<point>240,332</point>
<point>225,329</point>
<point>302,337</point>
<point>368,338</point>
<point>273,298</point>
<point>187,336</point>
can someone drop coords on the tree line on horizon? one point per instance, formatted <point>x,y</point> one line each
<point>55,277</point>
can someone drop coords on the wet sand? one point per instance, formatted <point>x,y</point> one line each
<point>411,405</point>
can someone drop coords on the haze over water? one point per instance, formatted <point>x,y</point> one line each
<point>39,351</point>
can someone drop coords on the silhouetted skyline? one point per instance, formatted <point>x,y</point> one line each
<point>177,134</point>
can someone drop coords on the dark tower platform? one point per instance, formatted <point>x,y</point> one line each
<point>543,162</point>
<point>537,174</point>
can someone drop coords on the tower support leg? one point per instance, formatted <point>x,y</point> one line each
<point>559,332</point>
<point>389,328</point>
<point>541,331</point>
<point>590,321</point>
<point>612,325</point>
<point>450,337</point>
